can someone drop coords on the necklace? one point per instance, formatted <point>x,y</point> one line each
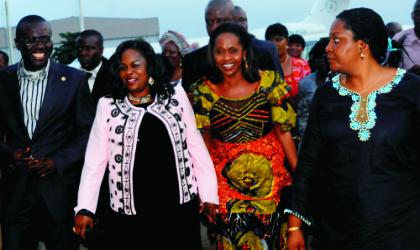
<point>142,99</point>
<point>287,58</point>
<point>173,78</point>
<point>345,79</point>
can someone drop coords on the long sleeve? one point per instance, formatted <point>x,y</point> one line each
<point>74,150</point>
<point>95,160</point>
<point>203,165</point>
<point>308,161</point>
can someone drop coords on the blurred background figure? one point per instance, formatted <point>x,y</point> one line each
<point>409,39</point>
<point>4,60</point>
<point>174,47</point>
<point>294,69</point>
<point>310,83</point>
<point>89,50</point>
<point>242,19</point>
<point>296,46</point>
<point>393,28</point>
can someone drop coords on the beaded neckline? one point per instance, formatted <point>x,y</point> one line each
<point>363,116</point>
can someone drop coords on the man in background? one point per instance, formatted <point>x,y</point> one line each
<point>411,42</point>
<point>268,46</point>
<point>196,64</point>
<point>4,60</point>
<point>89,49</point>
<point>393,28</point>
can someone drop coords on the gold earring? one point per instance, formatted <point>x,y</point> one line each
<point>362,56</point>
<point>151,81</point>
<point>246,64</point>
<point>180,63</point>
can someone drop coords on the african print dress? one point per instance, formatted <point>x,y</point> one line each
<point>248,159</point>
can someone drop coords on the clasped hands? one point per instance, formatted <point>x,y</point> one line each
<point>43,167</point>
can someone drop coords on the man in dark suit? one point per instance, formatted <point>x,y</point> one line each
<point>196,64</point>
<point>47,113</point>
<point>269,46</point>
<point>89,48</point>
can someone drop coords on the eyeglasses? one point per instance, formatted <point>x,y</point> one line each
<point>416,13</point>
<point>34,40</point>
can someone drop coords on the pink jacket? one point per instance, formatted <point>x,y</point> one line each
<point>121,119</point>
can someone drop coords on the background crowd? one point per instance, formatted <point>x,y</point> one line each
<point>129,151</point>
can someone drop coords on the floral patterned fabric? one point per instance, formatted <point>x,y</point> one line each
<point>248,160</point>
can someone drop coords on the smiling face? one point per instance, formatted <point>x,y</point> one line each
<point>295,50</point>
<point>89,52</point>
<point>171,51</point>
<point>281,43</point>
<point>35,56</point>
<point>228,54</point>
<point>343,51</point>
<point>133,73</point>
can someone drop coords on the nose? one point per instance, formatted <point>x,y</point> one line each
<point>328,49</point>
<point>39,44</point>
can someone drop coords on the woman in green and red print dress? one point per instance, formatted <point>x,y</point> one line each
<point>245,118</point>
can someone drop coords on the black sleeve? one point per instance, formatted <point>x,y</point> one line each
<point>263,59</point>
<point>189,72</point>
<point>308,161</point>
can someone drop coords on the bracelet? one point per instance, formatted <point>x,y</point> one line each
<point>291,229</point>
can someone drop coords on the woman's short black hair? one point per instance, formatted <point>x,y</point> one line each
<point>369,27</point>
<point>158,67</point>
<point>276,29</point>
<point>251,74</point>
<point>319,48</point>
<point>295,38</point>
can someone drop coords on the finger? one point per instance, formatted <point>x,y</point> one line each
<point>202,208</point>
<point>82,232</point>
<point>209,217</point>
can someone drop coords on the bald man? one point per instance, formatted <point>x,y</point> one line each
<point>393,28</point>
<point>411,43</point>
<point>241,17</point>
<point>196,64</point>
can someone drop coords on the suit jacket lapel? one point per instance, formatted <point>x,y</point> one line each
<point>13,98</point>
<point>52,92</point>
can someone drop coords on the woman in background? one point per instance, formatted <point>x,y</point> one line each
<point>294,69</point>
<point>174,47</point>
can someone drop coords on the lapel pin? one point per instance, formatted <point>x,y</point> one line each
<point>63,78</point>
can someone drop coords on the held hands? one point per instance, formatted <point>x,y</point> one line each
<point>210,210</point>
<point>43,167</point>
<point>81,223</point>
<point>295,240</point>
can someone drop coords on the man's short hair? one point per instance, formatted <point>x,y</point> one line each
<point>94,33</point>
<point>5,56</point>
<point>28,19</point>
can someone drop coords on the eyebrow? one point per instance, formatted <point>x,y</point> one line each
<point>335,33</point>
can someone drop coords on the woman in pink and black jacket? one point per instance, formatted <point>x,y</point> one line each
<point>145,135</point>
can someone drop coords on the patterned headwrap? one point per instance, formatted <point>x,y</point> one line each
<point>179,40</point>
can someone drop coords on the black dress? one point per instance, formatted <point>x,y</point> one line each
<point>362,188</point>
<point>161,222</point>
